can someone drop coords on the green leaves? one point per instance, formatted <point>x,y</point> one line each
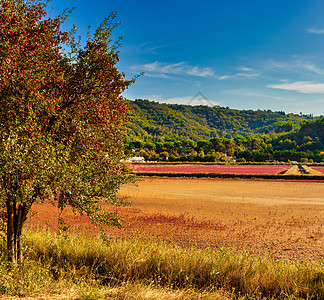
<point>61,116</point>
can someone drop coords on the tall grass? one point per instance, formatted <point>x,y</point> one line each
<point>81,259</point>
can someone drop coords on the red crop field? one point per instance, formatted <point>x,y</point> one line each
<point>222,169</point>
<point>321,169</point>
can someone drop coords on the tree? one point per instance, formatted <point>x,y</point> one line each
<point>62,118</point>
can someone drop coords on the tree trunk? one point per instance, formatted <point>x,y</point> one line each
<point>16,216</point>
<point>11,233</point>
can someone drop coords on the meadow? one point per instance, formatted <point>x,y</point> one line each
<point>67,267</point>
<point>187,239</point>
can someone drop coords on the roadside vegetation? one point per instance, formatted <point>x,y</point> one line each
<point>121,269</point>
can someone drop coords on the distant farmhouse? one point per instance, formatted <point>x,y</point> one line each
<point>136,159</point>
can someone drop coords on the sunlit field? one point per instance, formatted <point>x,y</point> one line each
<point>182,239</point>
<point>284,219</point>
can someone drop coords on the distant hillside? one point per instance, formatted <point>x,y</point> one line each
<point>310,135</point>
<point>171,122</point>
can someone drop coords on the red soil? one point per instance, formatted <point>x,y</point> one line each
<point>284,219</point>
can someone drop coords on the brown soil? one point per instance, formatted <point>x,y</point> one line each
<point>283,219</point>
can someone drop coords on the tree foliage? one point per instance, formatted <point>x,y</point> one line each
<point>159,122</point>
<point>303,144</point>
<point>62,117</point>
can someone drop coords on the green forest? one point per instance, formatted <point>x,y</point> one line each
<point>171,132</point>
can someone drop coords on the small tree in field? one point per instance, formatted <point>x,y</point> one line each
<point>61,118</point>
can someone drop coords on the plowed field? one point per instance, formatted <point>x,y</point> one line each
<point>284,219</point>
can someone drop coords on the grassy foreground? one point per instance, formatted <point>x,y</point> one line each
<point>78,267</point>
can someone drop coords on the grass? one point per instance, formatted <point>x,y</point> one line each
<point>129,291</point>
<point>80,267</point>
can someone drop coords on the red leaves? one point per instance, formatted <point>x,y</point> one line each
<point>49,101</point>
<point>29,64</point>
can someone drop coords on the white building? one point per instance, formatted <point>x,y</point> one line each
<point>136,159</point>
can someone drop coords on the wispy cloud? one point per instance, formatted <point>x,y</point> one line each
<point>201,72</point>
<point>158,67</point>
<point>158,75</point>
<point>246,69</point>
<point>248,75</point>
<point>296,65</point>
<point>315,30</point>
<point>180,68</point>
<point>223,77</point>
<point>307,87</point>
<point>313,68</point>
<point>242,72</point>
<point>146,48</point>
<point>253,93</point>
<point>164,70</point>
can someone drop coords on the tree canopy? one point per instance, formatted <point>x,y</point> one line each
<point>62,117</point>
<point>160,122</point>
<point>305,143</point>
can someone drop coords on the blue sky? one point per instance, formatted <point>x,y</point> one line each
<point>242,54</point>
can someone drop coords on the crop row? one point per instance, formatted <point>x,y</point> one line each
<point>223,169</point>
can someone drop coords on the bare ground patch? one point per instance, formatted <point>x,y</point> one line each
<point>283,219</point>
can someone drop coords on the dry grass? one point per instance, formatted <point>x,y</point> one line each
<point>294,170</point>
<point>312,172</point>
<point>65,266</point>
<point>126,291</point>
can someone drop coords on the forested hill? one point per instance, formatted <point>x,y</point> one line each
<point>170,122</point>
